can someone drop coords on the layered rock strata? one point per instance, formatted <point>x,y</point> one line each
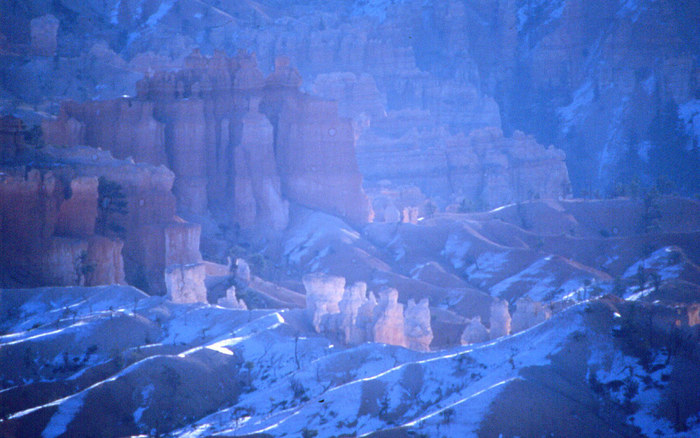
<point>84,193</point>
<point>483,168</point>
<point>47,231</point>
<point>236,141</point>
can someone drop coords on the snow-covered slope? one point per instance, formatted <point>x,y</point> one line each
<point>198,370</point>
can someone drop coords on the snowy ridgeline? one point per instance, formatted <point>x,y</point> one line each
<point>78,355</point>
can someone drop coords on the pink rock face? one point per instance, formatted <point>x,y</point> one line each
<point>417,328</point>
<point>47,231</point>
<point>203,122</point>
<point>77,214</point>
<point>389,327</point>
<point>43,31</point>
<point>41,207</point>
<point>316,157</point>
<point>257,184</point>
<point>185,284</point>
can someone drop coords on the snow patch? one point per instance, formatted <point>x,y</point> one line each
<point>539,12</point>
<point>145,395</point>
<point>582,98</point>
<point>163,9</point>
<point>62,418</point>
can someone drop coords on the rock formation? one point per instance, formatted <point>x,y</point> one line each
<point>485,168</point>
<point>350,327</point>
<point>353,317</point>
<point>47,231</point>
<point>323,294</point>
<point>231,301</point>
<point>185,284</point>
<point>474,332</point>
<point>499,321</point>
<point>258,193</point>
<point>203,122</point>
<point>417,328</point>
<point>242,271</point>
<point>114,207</point>
<point>389,327</point>
<point>529,313</point>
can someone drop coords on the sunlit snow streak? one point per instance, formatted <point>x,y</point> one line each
<point>45,334</point>
<point>439,411</point>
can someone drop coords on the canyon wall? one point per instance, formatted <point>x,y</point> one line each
<point>78,216</point>
<point>237,142</point>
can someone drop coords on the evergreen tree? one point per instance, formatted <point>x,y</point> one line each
<point>111,205</point>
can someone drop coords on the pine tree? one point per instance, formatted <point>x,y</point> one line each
<point>111,205</point>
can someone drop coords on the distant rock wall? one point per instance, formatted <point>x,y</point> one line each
<point>485,168</point>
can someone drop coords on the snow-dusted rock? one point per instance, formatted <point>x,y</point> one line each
<point>474,332</point>
<point>389,324</point>
<point>529,313</point>
<point>185,283</point>
<point>323,294</point>
<point>417,328</point>
<point>500,319</point>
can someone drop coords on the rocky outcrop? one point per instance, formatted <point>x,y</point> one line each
<point>389,327</point>
<point>316,158</point>
<point>231,301</point>
<point>499,320</point>
<point>115,209</point>
<point>474,332</point>
<point>203,122</point>
<point>185,284</point>
<point>356,95</point>
<point>323,294</point>
<point>484,168</point>
<point>499,325</point>
<point>417,328</point>
<point>353,317</point>
<point>529,313</point>
<point>258,198</point>
<point>47,230</point>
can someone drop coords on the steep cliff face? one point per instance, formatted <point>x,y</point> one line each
<point>598,80</point>
<point>203,122</point>
<point>70,215</point>
<point>47,231</point>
